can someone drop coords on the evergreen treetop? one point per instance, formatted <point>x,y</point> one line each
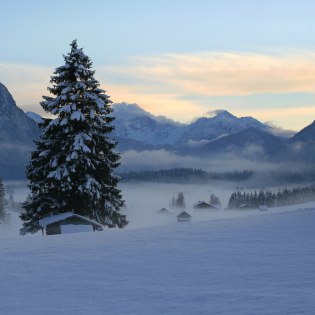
<point>71,169</point>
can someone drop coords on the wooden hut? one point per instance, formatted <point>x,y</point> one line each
<point>203,205</point>
<point>184,217</point>
<point>68,223</point>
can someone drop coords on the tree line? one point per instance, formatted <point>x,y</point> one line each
<point>286,197</point>
<point>184,175</point>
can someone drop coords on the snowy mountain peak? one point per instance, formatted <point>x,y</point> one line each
<point>125,111</point>
<point>7,102</point>
<point>134,123</point>
<point>220,113</point>
<point>129,111</point>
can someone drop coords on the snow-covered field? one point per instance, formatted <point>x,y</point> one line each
<point>253,263</point>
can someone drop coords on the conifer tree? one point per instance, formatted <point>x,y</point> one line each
<point>11,202</point>
<point>172,203</point>
<point>180,201</point>
<point>232,201</point>
<point>215,201</point>
<point>71,169</point>
<point>2,202</point>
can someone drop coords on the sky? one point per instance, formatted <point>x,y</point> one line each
<point>179,59</point>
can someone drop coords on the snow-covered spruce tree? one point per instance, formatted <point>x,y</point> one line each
<point>3,202</point>
<point>71,169</point>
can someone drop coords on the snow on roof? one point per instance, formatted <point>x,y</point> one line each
<point>184,214</point>
<point>163,209</point>
<point>201,203</point>
<point>63,216</point>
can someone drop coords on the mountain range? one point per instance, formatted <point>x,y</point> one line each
<point>133,124</point>
<point>217,134</point>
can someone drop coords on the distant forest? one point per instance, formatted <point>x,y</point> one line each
<point>199,176</point>
<point>286,197</point>
<point>184,175</point>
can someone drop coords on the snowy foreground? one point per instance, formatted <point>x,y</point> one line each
<point>255,264</point>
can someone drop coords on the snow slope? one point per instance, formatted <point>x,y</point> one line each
<point>17,135</point>
<point>134,123</point>
<point>37,118</point>
<point>257,264</point>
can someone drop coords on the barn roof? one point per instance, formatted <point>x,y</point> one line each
<point>202,203</point>
<point>63,216</point>
<point>184,214</point>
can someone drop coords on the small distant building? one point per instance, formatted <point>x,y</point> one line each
<point>203,205</point>
<point>164,211</point>
<point>184,217</point>
<point>68,223</point>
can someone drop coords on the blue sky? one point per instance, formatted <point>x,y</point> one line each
<point>175,58</point>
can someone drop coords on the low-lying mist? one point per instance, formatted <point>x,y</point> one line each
<point>133,160</point>
<point>264,173</point>
<point>143,200</point>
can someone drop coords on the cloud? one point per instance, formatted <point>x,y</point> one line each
<point>157,102</point>
<point>278,131</point>
<point>27,83</point>
<point>297,147</point>
<point>160,159</point>
<point>253,151</point>
<point>223,74</point>
<point>156,159</point>
<point>292,118</point>
<point>184,86</point>
<point>198,143</point>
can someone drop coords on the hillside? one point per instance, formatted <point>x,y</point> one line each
<point>299,148</point>
<point>17,135</point>
<point>258,264</point>
<point>250,143</point>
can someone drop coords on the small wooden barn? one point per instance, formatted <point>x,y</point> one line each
<point>203,205</point>
<point>183,217</point>
<point>68,223</point>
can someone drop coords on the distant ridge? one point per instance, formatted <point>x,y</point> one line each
<point>219,134</point>
<point>251,143</point>
<point>299,148</point>
<point>135,124</point>
<point>17,134</point>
